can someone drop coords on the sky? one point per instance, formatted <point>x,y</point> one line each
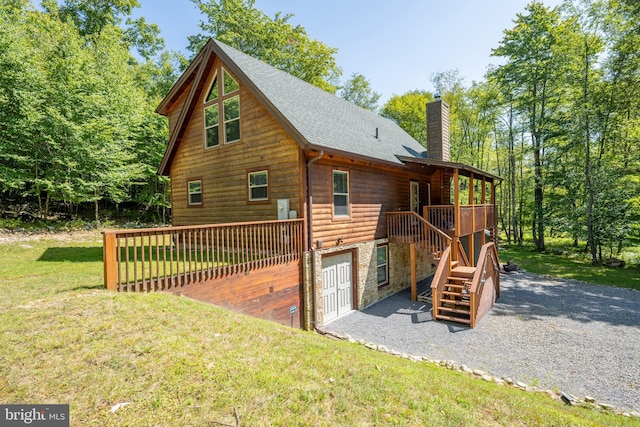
<point>396,44</point>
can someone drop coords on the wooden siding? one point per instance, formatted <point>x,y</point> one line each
<point>267,293</point>
<point>176,108</point>
<point>441,187</point>
<point>372,192</point>
<point>264,145</point>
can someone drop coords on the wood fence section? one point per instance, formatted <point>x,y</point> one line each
<point>160,259</point>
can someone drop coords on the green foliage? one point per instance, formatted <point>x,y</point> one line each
<point>358,91</point>
<point>77,110</point>
<point>92,16</point>
<point>409,111</point>
<point>275,41</point>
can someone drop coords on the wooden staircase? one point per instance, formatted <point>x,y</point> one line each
<point>459,292</point>
<point>462,293</point>
<point>455,303</point>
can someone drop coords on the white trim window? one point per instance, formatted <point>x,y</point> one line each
<point>382,264</point>
<point>195,192</point>
<point>231,119</point>
<point>258,186</point>
<point>341,193</point>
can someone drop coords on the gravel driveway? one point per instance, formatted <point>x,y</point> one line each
<point>555,334</point>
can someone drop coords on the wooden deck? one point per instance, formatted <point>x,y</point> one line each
<point>251,267</point>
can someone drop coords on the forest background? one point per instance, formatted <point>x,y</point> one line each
<point>559,120</point>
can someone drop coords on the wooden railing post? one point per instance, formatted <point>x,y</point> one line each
<point>109,261</point>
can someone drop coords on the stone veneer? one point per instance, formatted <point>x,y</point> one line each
<point>365,266</point>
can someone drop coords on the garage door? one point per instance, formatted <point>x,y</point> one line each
<point>337,294</point>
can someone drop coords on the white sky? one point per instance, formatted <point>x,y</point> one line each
<point>396,44</point>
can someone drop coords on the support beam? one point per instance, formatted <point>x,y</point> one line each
<point>472,202</point>
<point>456,213</point>
<point>414,275</point>
<point>483,239</point>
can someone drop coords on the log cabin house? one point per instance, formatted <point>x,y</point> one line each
<point>291,204</point>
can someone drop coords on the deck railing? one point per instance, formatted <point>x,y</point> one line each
<point>473,218</point>
<point>409,227</point>
<point>165,258</point>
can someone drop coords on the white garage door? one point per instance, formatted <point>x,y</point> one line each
<point>337,293</point>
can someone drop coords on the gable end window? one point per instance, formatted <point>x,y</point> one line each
<point>195,192</point>
<point>382,264</point>
<point>232,119</point>
<point>258,186</point>
<point>341,193</point>
<point>222,109</point>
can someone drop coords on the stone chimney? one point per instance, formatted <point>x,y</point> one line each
<point>438,130</point>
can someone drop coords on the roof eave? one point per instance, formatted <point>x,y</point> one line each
<point>354,156</point>
<point>450,165</point>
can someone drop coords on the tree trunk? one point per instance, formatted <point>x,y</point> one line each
<point>587,161</point>
<point>538,195</point>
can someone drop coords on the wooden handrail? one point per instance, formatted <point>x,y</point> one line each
<point>439,280</point>
<point>402,224</point>
<point>163,258</point>
<point>488,265</point>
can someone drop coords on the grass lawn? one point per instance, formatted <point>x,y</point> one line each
<point>573,263</point>
<point>178,362</point>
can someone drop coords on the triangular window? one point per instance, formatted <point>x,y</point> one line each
<point>213,92</point>
<point>230,85</point>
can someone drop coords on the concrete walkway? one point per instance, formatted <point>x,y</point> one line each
<point>562,335</point>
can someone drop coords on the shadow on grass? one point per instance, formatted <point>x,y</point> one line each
<point>84,288</point>
<point>72,254</point>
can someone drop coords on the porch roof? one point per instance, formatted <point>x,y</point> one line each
<point>464,170</point>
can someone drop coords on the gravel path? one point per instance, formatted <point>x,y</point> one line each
<point>562,335</point>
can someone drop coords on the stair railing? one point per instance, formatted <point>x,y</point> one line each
<point>443,271</point>
<point>409,227</point>
<point>488,267</point>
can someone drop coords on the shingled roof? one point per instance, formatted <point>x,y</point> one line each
<point>316,119</point>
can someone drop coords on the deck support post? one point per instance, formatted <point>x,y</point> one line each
<point>472,236</point>
<point>456,213</point>
<point>414,282</point>
<point>109,261</point>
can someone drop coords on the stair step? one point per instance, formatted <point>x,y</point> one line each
<point>459,279</point>
<point>463,271</point>
<point>453,319</point>
<point>454,264</point>
<point>456,302</point>
<point>452,293</point>
<point>454,310</point>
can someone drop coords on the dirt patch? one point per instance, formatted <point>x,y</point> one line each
<point>8,237</point>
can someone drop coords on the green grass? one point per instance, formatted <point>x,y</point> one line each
<point>573,263</point>
<point>182,362</point>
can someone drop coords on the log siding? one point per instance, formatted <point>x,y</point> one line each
<point>264,145</point>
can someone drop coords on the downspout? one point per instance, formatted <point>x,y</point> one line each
<point>310,236</point>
